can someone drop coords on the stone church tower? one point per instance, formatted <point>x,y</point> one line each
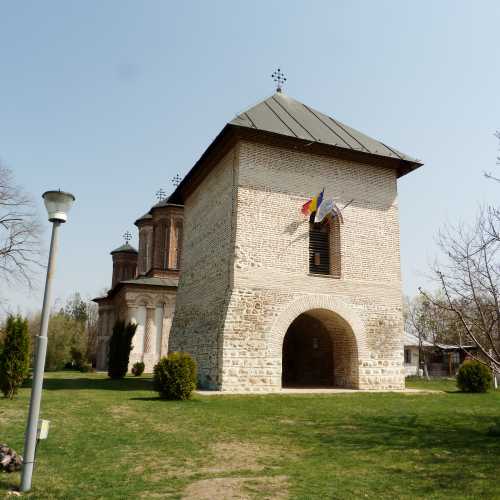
<point>144,286</point>
<point>267,298</point>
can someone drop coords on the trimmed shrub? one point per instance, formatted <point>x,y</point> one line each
<point>120,346</point>
<point>138,369</point>
<point>474,376</point>
<point>14,361</point>
<point>174,376</point>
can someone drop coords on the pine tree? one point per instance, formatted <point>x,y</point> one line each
<point>120,346</point>
<point>14,360</point>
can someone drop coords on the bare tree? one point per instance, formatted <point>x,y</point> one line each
<point>19,232</point>
<point>430,322</point>
<point>489,175</point>
<point>469,280</point>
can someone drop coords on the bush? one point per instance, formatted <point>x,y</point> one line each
<point>66,337</point>
<point>474,376</point>
<point>14,361</point>
<point>120,346</point>
<point>175,376</point>
<point>138,369</point>
<point>86,367</point>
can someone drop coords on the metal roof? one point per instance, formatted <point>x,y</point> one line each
<point>152,281</point>
<point>165,202</point>
<point>126,248</point>
<point>281,114</point>
<point>144,217</point>
<point>144,280</point>
<point>411,340</point>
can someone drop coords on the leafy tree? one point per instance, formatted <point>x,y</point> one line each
<point>120,346</point>
<point>14,360</point>
<point>72,333</point>
<point>76,308</point>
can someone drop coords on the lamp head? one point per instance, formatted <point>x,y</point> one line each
<point>58,204</point>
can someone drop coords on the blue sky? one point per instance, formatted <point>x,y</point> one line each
<point>109,100</point>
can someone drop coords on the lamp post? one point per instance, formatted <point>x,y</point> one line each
<point>58,204</point>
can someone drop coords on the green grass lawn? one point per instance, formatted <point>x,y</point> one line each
<point>115,440</point>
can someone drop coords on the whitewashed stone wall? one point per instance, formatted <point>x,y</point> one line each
<point>206,263</point>
<point>152,310</point>
<point>245,268</point>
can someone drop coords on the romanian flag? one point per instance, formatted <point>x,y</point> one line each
<point>312,205</point>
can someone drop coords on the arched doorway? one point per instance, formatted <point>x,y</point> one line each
<point>319,350</point>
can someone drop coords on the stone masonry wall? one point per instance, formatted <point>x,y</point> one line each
<point>206,262</point>
<point>272,284</point>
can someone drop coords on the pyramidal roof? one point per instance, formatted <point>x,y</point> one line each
<point>283,115</point>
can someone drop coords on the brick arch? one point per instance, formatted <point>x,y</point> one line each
<point>334,314</point>
<point>144,300</point>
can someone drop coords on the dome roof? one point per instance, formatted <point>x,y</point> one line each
<point>126,248</point>
<point>143,218</point>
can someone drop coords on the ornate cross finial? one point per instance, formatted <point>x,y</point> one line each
<point>176,180</point>
<point>127,237</point>
<point>160,194</point>
<point>279,78</point>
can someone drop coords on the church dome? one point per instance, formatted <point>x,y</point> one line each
<point>126,248</point>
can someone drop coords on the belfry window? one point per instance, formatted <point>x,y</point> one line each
<point>324,247</point>
<point>319,247</point>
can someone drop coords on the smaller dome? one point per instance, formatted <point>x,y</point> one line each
<point>162,203</point>
<point>126,248</point>
<point>143,218</point>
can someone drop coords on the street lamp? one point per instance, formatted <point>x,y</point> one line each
<point>58,204</point>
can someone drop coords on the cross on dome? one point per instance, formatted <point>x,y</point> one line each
<point>279,78</point>
<point>160,194</point>
<point>176,180</point>
<point>127,237</point>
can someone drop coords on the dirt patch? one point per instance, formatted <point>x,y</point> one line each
<point>159,467</point>
<point>127,416</point>
<point>121,411</point>
<point>8,415</point>
<point>224,458</point>
<point>238,488</point>
<point>235,456</point>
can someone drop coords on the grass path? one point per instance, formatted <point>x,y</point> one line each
<point>115,440</point>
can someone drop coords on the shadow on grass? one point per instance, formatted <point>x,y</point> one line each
<point>97,384</point>
<point>192,400</point>
<point>456,455</point>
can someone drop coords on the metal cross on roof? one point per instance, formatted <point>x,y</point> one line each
<point>160,194</point>
<point>127,237</point>
<point>176,180</point>
<point>279,78</point>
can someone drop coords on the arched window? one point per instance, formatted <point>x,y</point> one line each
<point>178,231</point>
<point>149,251</point>
<point>166,245</point>
<point>324,247</point>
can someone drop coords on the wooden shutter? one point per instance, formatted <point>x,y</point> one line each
<point>319,248</point>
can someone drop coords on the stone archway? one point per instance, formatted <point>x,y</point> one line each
<point>320,350</point>
<point>322,339</point>
<point>307,354</point>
